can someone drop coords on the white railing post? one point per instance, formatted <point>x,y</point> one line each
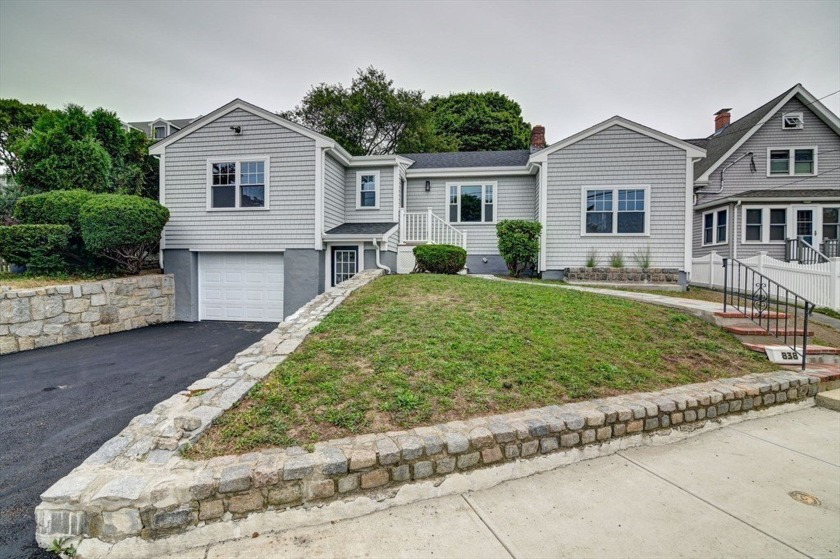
<point>429,216</point>
<point>712,282</point>
<point>402,226</point>
<point>834,283</point>
<point>464,240</point>
<point>762,255</point>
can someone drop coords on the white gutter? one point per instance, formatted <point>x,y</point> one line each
<point>379,264</point>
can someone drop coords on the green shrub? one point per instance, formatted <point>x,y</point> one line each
<point>519,244</point>
<point>617,259</point>
<point>41,248</point>
<point>439,259</point>
<point>122,228</point>
<point>59,207</point>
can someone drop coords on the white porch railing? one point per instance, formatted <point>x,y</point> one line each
<point>819,283</point>
<point>426,227</point>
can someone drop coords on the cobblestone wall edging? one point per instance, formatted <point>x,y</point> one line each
<point>138,488</point>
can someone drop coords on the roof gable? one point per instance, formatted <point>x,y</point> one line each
<point>690,149</point>
<point>721,146</point>
<point>159,148</point>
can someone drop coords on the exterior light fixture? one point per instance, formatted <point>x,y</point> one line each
<point>236,129</point>
<point>428,186</point>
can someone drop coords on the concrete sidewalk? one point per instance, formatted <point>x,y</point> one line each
<point>723,493</point>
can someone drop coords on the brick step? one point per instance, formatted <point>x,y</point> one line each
<point>812,349</point>
<point>738,314</point>
<point>751,330</point>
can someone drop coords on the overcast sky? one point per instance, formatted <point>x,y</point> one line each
<point>668,65</point>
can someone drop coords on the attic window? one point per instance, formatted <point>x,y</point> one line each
<point>160,132</point>
<point>792,121</point>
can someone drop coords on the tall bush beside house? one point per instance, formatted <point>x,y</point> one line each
<point>123,228</point>
<point>519,244</point>
<point>60,207</point>
<point>41,248</point>
<point>439,259</point>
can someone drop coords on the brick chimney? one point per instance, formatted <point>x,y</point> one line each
<point>722,119</point>
<point>537,138</point>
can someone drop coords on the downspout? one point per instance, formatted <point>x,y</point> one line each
<point>735,229</point>
<point>723,171</point>
<point>379,264</point>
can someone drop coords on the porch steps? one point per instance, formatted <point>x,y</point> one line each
<point>740,315</point>
<point>752,329</point>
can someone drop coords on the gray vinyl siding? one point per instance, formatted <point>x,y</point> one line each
<point>290,220</point>
<point>739,178</point>
<point>514,199</point>
<point>333,193</point>
<point>698,249</point>
<point>386,196</point>
<point>612,158</point>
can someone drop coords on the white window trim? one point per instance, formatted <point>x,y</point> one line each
<point>483,185</point>
<point>378,190</point>
<point>165,131</point>
<point>714,213</point>
<point>328,261</point>
<point>791,162</point>
<point>796,114</point>
<point>615,189</point>
<point>209,185</point>
<point>765,224</point>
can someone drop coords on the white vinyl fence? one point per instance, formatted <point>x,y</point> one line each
<point>819,283</point>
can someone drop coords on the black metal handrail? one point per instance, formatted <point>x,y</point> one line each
<point>768,304</point>
<point>802,251</point>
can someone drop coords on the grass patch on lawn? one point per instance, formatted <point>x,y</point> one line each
<point>418,349</point>
<point>26,281</point>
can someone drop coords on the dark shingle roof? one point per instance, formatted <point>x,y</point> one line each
<point>448,160</point>
<point>799,193</point>
<point>362,228</point>
<point>718,144</point>
<point>702,143</point>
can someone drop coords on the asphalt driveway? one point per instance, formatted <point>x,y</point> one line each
<point>59,404</point>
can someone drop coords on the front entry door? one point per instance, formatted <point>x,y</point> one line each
<point>345,263</point>
<point>805,226</point>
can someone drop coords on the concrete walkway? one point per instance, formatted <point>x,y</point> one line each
<point>724,493</point>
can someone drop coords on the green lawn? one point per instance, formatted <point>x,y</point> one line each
<point>419,349</point>
<point>26,281</point>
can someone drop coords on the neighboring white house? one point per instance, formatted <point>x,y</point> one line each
<point>266,214</point>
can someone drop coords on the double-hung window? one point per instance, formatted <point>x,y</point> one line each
<point>238,184</point>
<point>367,190</point>
<point>615,211</point>
<point>831,224</point>
<point>714,227</point>
<point>765,225</point>
<point>472,203</point>
<point>160,132</point>
<point>786,162</point>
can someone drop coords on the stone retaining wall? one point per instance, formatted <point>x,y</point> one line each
<point>139,488</point>
<point>46,316</point>
<point>621,275</point>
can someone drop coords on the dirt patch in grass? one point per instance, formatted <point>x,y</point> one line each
<point>411,350</point>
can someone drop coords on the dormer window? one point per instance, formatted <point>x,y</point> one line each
<point>160,132</point>
<point>792,121</point>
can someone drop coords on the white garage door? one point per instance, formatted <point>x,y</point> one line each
<point>240,286</point>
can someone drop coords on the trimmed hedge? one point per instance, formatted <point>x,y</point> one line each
<point>40,248</point>
<point>439,259</point>
<point>59,207</point>
<point>519,244</point>
<point>123,228</point>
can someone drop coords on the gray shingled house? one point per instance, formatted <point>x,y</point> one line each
<point>770,182</point>
<point>266,214</point>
